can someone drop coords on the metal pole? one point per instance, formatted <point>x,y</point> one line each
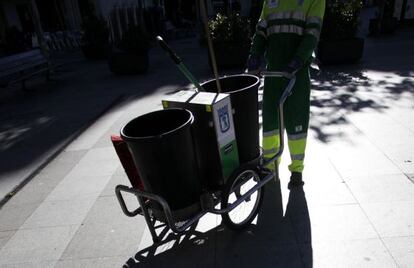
<point>210,44</point>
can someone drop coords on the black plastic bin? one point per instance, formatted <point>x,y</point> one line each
<point>161,145</point>
<point>243,90</point>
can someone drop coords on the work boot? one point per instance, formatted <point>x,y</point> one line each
<point>295,180</point>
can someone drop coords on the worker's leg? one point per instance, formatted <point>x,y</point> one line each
<point>297,120</point>
<point>271,138</point>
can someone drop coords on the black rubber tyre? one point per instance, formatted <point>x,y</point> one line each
<point>242,180</point>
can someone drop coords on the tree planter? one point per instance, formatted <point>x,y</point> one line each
<point>122,62</point>
<point>230,56</point>
<point>340,51</point>
<point>94,41</point>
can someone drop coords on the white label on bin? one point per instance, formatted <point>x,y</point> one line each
<point>223,122</point>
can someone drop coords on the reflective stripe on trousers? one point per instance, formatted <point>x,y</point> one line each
<point>271,144</point>
<point>297,146</point>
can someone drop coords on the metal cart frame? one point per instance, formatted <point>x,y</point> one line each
<point>209,200</point>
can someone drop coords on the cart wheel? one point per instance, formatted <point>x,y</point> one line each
<point>240,182</point>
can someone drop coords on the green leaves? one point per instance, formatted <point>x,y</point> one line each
<point>341,19</point>
<point>230,29</point>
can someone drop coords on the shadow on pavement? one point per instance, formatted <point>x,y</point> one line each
<point>276,240</point>
<point>382,80</point>
<point>340,91</point>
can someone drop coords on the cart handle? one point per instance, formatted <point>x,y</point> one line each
<point>289,88</point>
<point>286,93</point>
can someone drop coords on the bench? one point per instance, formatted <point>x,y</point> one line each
<point>23,66</point>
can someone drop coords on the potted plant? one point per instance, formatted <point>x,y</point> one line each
<point>231,37</point>
<point>130,54</point>
<point>95,38</point>
<point>338,41</point>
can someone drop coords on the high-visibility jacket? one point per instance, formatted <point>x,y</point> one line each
<point>288,29</point>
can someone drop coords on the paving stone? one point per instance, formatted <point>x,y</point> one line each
<point>381,188</point>
<point>410,177</point>
<point>89,176</point>
<point>259,255</point>
<point>327,192</point>
<point>401,249</point>
<point>356,154</point>
<point>381,128</point>
<point>40,186</point>
<point>391,218</point>
<point>59,213</point>
<point>318,167</point>
<point>354,253</point>
<point>94,132</point>
<point>119,178</point>
<point>36,245</point>
<point>97,162</point>
<point>403,157</point>
<point>338,223</point>
<point>272,240</point>
<point>34,264</point>
<point>109,262</point>
<point>183,250</point>
<point>403,115</point>
<point>360,158</point>
<point>188,250</point>
<point>10,179</point>
<point>197,243</point>
<point>106,232</point>
<point>63,164</point>
<point>5,237</point>
<point>105,139</point>
<point>79,188</point>
<point>13,216</point>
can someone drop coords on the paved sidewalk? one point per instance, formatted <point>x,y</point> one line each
<point>36,124</point>
<point>355,210</point>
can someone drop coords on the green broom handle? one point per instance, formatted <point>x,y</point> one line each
<point>179,63</point>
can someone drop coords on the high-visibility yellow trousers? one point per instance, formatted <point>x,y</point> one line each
<point>296,118</point>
